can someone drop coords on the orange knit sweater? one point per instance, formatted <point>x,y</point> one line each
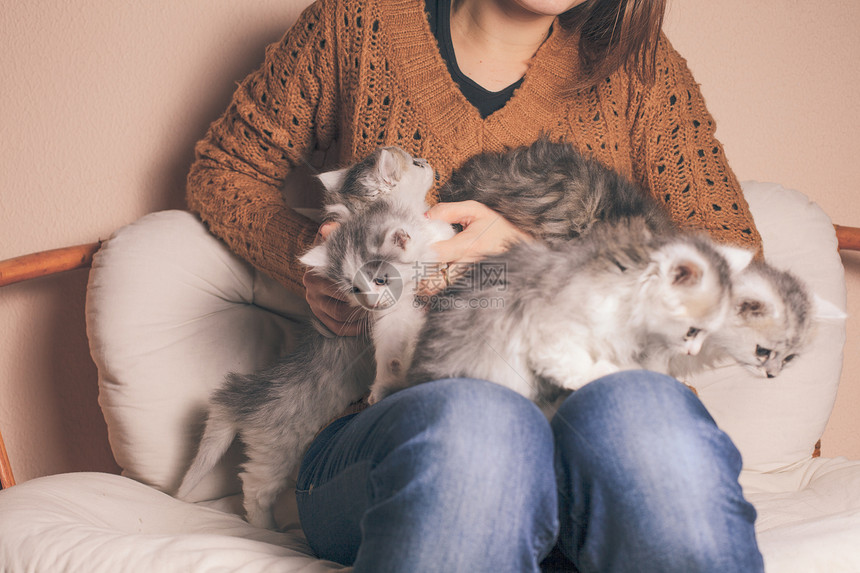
<point>365,73</point>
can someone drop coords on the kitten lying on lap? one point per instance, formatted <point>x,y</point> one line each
<point>556,193</point>
<point>568,312</point>
<point>553,191</point>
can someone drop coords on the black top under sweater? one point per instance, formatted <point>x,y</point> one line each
<point>486,102</point>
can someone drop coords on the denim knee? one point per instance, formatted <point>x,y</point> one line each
<point>471,465</point>
<point>469,422</point>
<point>493,442</point>
<point>645,474</point>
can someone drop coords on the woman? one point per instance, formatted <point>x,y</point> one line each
<point>632,474</point>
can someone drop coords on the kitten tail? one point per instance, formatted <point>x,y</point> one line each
<point>217,437</point>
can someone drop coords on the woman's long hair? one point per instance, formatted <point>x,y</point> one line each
<point>615,34</point>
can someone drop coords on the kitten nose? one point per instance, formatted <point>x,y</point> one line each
<point>769,375</point>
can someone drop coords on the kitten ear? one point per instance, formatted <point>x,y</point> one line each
<point>400,238</point>
<point>738,258</point>
<point>316,257</point>
<point>686,273</point>
<point>826,310</point>
<point>388,167</point>
<point>333,180</point>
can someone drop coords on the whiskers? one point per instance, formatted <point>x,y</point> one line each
<point>358,314</point>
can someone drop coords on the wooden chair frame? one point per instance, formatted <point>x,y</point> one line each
<point>55,261</point>
<point>33,266</point>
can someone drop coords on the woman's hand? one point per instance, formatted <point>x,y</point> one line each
<point>326,302</point>
<point>484,233</point>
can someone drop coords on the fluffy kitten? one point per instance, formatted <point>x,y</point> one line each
<point>380,250</point>
<point>388,172</point>
<point>769,324</point>
<point>568,312</point>
<point>551,190</point>
<point>276,412</point>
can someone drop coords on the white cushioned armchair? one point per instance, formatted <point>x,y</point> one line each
<point>170,310</point>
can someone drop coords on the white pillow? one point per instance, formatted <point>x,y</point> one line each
<point>776,423</point>
<point>102,523</point>
<point>169,312</point>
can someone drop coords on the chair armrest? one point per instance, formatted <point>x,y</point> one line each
<point>29,267</point>
<point>848,237</point>
<point>46,263</point>
<point>7,480</point>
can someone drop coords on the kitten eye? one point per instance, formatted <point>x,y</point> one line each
<point>789,358</point>
<point>762,352</point>
<point>380,281</point>
<point>692,333</point>
<point>356,290</point>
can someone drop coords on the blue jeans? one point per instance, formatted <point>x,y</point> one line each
<point>632,474</point>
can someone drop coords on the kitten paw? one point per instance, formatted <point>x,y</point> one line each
<point>378,393</point>
<point>374,398</point>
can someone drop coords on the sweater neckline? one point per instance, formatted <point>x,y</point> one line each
<point>443,36</point>
<point>425,73</point>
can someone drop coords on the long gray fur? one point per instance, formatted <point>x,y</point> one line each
<point>552,190</point>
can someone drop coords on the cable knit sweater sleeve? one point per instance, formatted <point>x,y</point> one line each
<point>679,159</point>
<point>277,115</point>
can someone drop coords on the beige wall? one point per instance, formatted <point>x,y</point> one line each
<point>102,101</point>
<point>781,79</point>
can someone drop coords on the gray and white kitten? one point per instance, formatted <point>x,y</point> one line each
<point>769,325</point>
<point>551,190</point>
<point>567,312</point>
<point>388,172</point>
<point>381,248</point>
<point>277,412</point>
